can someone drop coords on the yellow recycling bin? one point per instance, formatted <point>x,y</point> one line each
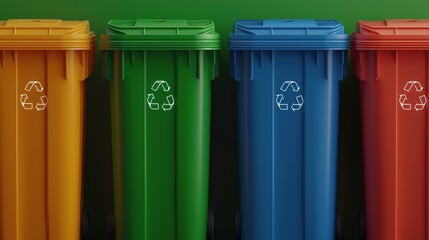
<point>43,65</point>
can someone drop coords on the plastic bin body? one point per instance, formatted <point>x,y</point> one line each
<point>160,91</point>
<point>288,154</point>
<point>391,59</point>
<point>43,65</point>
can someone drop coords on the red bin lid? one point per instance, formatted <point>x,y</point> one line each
<point>392,34</point>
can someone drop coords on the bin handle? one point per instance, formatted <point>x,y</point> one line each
<point>33,23</point>
<point>289,23</point>
<point>406,23</point>
<point>165,23</point>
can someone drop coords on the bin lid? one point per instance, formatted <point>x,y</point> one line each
<point>160,34</point>
<point>391,34</point>
<point>288,34</point>
<point>45,34</point>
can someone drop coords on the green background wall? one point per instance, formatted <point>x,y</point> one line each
<point>224,196</point>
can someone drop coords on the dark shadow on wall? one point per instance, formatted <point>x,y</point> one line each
<point>98,187</point>
<point>224,178</point>
<point>349,175</point>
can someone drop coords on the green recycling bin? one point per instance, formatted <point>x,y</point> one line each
<point>160,73</point>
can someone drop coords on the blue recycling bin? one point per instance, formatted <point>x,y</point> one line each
<point>288,74</point>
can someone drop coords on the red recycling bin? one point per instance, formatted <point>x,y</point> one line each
<point>391,59</point>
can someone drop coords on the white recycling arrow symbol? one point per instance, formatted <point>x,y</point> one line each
<point>292,86</point>
<point>151,99</point>
<point>24,98</point>
<point>403,98</point>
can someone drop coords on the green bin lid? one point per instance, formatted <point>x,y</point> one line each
<point>160,34</point>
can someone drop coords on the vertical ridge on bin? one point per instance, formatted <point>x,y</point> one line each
<point>47,222</point>
<point>145,147</point>
<point>304,162</point>
<point>396,142</point>
<point>177,142</point>
<point>273,159</point>
<point>15,58</point>
<point>427,152</point>
<point>331,74</point>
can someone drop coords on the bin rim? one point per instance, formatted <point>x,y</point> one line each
<point>160,42</point>
<point>391,34</point>
<point>289,42</point>
<point>45,34</point>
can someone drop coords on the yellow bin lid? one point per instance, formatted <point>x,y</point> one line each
<point>45,34</point>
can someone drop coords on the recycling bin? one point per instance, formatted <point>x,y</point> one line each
<point>288,74</point>
<point>160,73</point>
<point>43,67</point>
<point>391,59</point>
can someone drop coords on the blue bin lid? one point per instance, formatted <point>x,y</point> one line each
<point>288,35</point>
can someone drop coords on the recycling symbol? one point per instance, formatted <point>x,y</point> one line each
<point>422,98</point>
<point>169,100</point>
<point>24,99</point>
<point>290,86</point>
